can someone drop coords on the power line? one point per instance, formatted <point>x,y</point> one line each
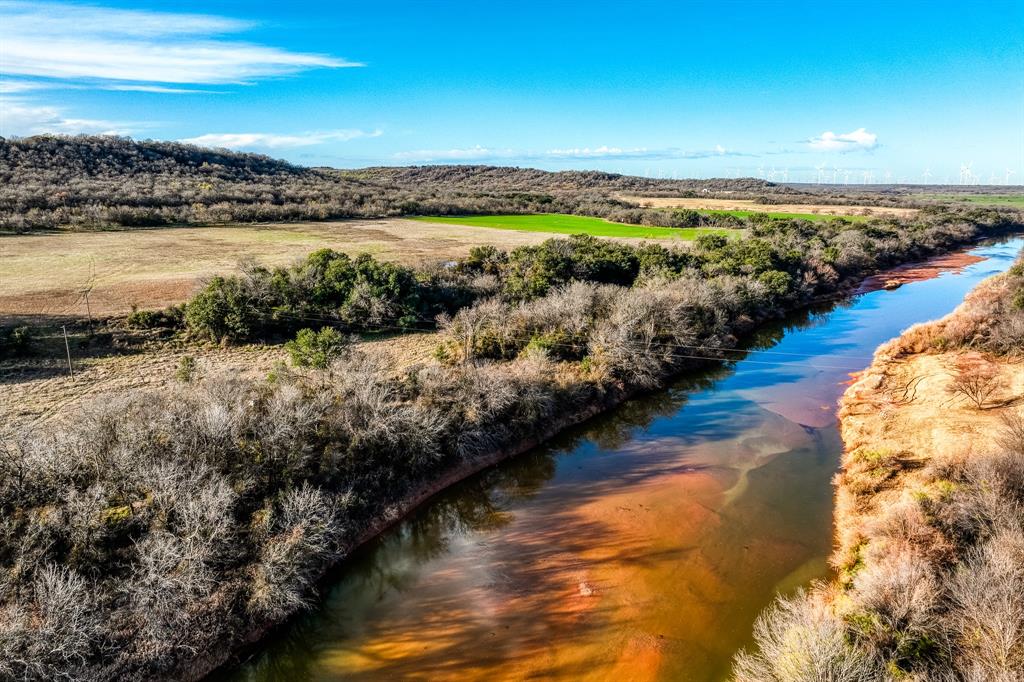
<point>530,335</point>
<point>526,336</point>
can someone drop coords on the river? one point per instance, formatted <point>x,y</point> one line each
<point>640,545</point>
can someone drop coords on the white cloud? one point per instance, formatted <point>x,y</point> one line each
<point>58,17</point>
<point>18,117</point>
<point>9,86</point>
<point>601,152</point>
<point>479,153</point>
<point>159,89</point>
<point>52,40</point>
<point>474,153</point>
<point>859,139</point>
<point>275,140</point>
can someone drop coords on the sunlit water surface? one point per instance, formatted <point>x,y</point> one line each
<point>639,546</point>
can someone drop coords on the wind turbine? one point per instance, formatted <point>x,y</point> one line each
<point>927,174</point>
<point>966,174</point>
<point>1009,172</point>
<point>888,177</point>
<point>835,175</point>
<point>846,176</point>
<point>760,171</point>
<point>785,175</point>
<point>820,168</point>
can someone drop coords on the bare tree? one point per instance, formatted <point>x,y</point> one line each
<point>975,380</point>
<point>799,638</point>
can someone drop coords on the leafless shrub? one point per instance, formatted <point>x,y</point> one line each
<point>988,614</point>
<point>798,639</point>
<point>481,396</point>
<point>289,415</point>
<point>306,529</point>
<point>535,399</point>
<point>903,525</point>
<point>570,311</point>
<point>959,330</point>
<point>52,636</point>
<point>1011,437</point>
<point>899,588</point>
<point>563,319</point>
<point>639,339</point>
<point>1000,475</point>
<point>170,576</point>
<point>1007,334</point>
<point>976,380</point>
<point>480,330</point>
<point>370,411</point>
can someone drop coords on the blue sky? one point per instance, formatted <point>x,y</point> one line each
<point>800,91</point>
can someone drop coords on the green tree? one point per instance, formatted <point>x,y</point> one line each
<point>316,349</point>
<point>224,309</point>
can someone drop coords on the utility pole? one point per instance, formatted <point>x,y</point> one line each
<point>67,347</point>
<point>88,308</point>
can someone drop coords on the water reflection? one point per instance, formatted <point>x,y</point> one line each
<point>640,546</point>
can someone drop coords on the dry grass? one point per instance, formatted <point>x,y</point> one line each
<point>44,274</point>
<point>751,205</point>
<point>40,390</point>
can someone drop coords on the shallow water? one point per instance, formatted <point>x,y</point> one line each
<point>641,545</point>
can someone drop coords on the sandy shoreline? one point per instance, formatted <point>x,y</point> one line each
<point>900,409</point>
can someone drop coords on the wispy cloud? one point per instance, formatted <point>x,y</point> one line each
<point>858,140</point>
<point>161,89</point>
<point>56,40</point>
<point>277,140</point>
<point>481,153</point>
<point>606,152</point>
<point>475,153</point>
<point>9,86</point>
<point>602,152</point>
<point>18,117</point>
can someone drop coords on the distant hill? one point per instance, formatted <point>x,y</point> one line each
<point>68,158</point>
<point>531,179</point>
<point>97,181</point>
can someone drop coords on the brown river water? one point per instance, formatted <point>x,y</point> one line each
<point>639,546</point>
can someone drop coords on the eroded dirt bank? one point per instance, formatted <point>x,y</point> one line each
<point>930,534</point>
<point>902,420</point>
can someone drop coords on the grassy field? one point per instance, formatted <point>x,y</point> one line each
<point>557,223</point>
<point>1011,200</point>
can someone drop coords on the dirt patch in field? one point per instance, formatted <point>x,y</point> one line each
<point>47,274</point>
<point>750,205</point>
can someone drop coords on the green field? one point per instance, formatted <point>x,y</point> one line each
<point>559,223</point>
<point>1013,200</point>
